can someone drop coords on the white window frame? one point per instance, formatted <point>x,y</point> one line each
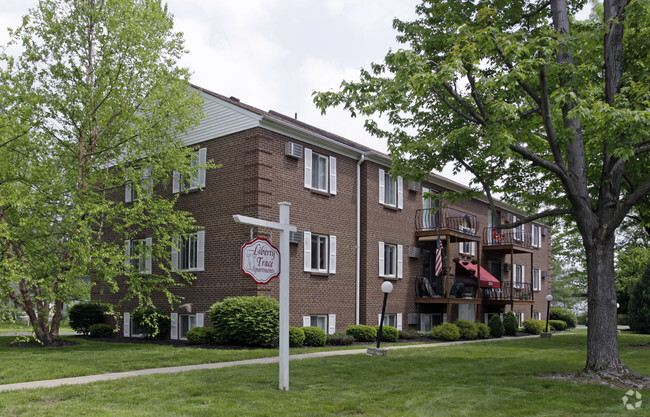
<point>329,255</point>
<point>391,319</point>
<point>313,172</point>
<point>537,315</point>
<point>519,276</point>
<point>195,264</point>
<point>537,280</point>
<point>521,317</point>
<point>467,248</point>
<point>536,232</point>
<point>177,321</point>
<point>396,261</point>
<point>426,327</point>
<point>138,262</point>
<point>328,321</point>
<point>195,182</point>
<point>146,187</point>
<point>386,184</point>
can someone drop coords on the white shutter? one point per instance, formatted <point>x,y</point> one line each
<point>382,179</point>
<point>174,325</point>
<point>332,264</point>
<point>306,321</point>
<point>422,322</point>
<point>200,250</point>
<point>127,324</point>
<point>523,274</point>
<point>147,259</point>
<point>200,319</point>
<point>379,319</point>
<point>486,319</point>
<point>444,317</point>
<point>331,323</point>
<point>176,182</point>
<point>307,168</point>
<point>332,175</point>
<point>400,193</point>
<point>306,241</point>
<point>175,253</point>
<point>127,192</point>
<point>381,259</point>
<point>127,253</point>
<point>399,321</point>
<point>400,263</point>
<point>203,159</point>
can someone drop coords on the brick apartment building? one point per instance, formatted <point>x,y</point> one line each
<point>357,227</point>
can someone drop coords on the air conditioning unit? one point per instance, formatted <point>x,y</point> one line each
<point>545,231</point>
<point>413,318</point>
<point>414,186</point>
<point>295,237</point>
<point>414,252</point>
<point>506,267</point>
<point>293,150</point>
<point>509,217</point>
<point>544,274</point>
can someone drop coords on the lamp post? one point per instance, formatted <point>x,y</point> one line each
<point>549,298</point>
<point>386,288</point>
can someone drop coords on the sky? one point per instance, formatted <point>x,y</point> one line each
<point>272,54</point>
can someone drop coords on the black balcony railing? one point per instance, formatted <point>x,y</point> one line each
<point>446,218</point>
<point>517,237</point>
<point>518,292</point>
<point>459,287</point>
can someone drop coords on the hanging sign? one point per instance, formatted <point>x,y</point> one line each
<point>260,260</point>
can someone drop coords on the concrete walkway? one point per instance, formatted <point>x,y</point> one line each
<point>176,369</point>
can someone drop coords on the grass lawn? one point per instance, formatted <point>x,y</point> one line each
<point>500,378</point>
<point>6,327</point>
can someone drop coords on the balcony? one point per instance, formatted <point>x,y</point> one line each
<point>461,287</point>
<point>446,221</point>
<point>506,239</point>
<point>509,292</point>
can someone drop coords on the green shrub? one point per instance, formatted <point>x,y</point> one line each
<point>638,308</point>
<point>362,333</point>
<point>582,319</point>
<point>533,326</point>
<point>388,333</point>
<point>296,336</point>
<point>467,329</point>
<point>339,339</point>
<point>84,315</point>
<point>411,334</point>
<point>151,322</point>
<point>510,324</point>
<point>496,326</point>
<point>558,325</point>
<point>246,321</point>
<point>483,330</point>
<point>100,330</point>
<point>201,336</point>
<point>621,319</point>
<point>565,315</point>
<point>314,336</point>
<point>446,331</point>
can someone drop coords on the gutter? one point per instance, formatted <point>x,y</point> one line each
<point>358,254</point>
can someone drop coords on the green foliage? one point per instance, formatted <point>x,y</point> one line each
<point>409,334</point>
<point>246,321</point>
<point>296,336</point>
<point>632,261</point>
<point>446,331</point>
<point>151,322</point>
<point>565,315</point>
<point>510,324</point>
<point>533,326</point>
<point>639,306</point>
<point>362,333</point>
<point>101,330</point>
<point>388,333</point>
<point>622,320</point>
<point>496,326</point>
<point>582,319</point>
<point>483,330</point>
<point>201,336</point>
<point>468,330</point>
<point>339,339</point>
<point>314,336</point>
<point>84,315</point>
<point>558,325</point>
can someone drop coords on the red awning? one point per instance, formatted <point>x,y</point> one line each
<point>487,280</point>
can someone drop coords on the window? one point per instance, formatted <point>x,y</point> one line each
<point>519,276</point>
<point>393,320</point>
<point>319,253</point>
<point>537,315</point>
<point>196,181</point>
<point>320,172</point>
<point>520,318</point>
<point>131,192</point>
<point>519,230</point>
<point>467,248</point>
<point>390,260</point>
<point>327,322</point>
<point>537,280</point>
<point>183,323</point>
<point>428,321</point>
<point>188,253</point>
<point>391,191</point>
<point>430,210</point>
<point>537,236</point>
<point>138,255</point>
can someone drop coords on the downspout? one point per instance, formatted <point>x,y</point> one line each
<point>358,271</point>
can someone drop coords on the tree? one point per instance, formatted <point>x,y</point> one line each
<point>631,263</point>
<point>549,111</point>
<point>92,105</point>
<point>639,305</point>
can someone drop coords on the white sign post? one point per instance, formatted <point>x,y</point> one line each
<point>284,227</point>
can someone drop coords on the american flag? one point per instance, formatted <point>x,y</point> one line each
<point>438,256</point>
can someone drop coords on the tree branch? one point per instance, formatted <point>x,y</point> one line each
<point>454,108</point>
<point>508,64</point>
<point>628,202</point>
<point>463,103</point>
